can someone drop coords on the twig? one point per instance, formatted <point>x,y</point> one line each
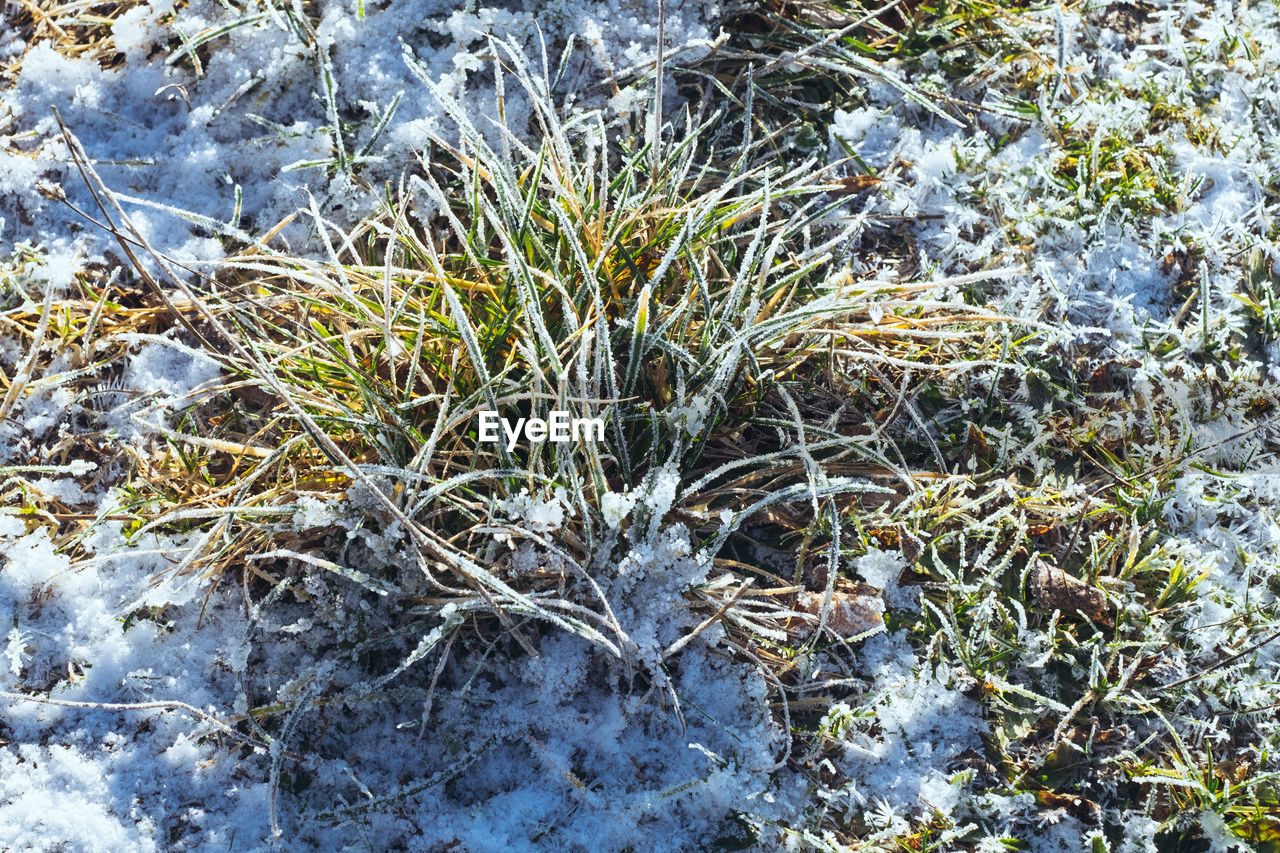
<point>160,705</point>
<point>1224,662</point>
<point>23,375</point>
<point>709,621</point>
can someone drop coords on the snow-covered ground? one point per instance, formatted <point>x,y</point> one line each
<point>249,123</point>
<point>229,138</point>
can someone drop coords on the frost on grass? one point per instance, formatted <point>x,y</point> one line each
<point>239,114</point>
<point>1147,174</point>
<point>1122,158</point>
<point>1120,161</point>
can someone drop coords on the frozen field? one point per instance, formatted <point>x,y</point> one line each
<point>983,411</point>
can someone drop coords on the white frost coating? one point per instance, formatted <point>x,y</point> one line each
<point>541,516</point>
<point>659,493</point>
<point>313,512</point>
<point>15,650</point>
<point>169,373</point>
<point>615,507</point>
<point>873,133</point>
<point>883,569</point>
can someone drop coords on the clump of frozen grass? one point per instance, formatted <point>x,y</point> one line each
<point>673,291</point>
<point>571,276</point>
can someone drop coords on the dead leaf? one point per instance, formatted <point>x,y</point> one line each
<point>911,545</point>
<point>854,184</point>
<point>851,613</point>
<point>659,375</point>
<point>1078,806</point>
<point>1054,589</point>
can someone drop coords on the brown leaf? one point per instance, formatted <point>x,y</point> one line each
<point>854,184</point>
<point>659,375</point>
<point>911,545</point>
<point>1054,589</point>
<point>1078,806</point>
<point>851,613</point>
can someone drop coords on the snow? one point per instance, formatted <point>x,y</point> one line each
<point>541,516</point>
<point>90,780</point>
<point>160,378</point>
<point>883,569</point>
<point>615,507</point>
<point>924,722</point>
<point>578,768</point>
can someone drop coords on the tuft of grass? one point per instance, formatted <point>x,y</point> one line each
<point>75,345</point>
<point>701,308</point>
<point>565,276</point>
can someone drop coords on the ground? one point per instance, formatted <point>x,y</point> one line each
<point>937,348</point>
